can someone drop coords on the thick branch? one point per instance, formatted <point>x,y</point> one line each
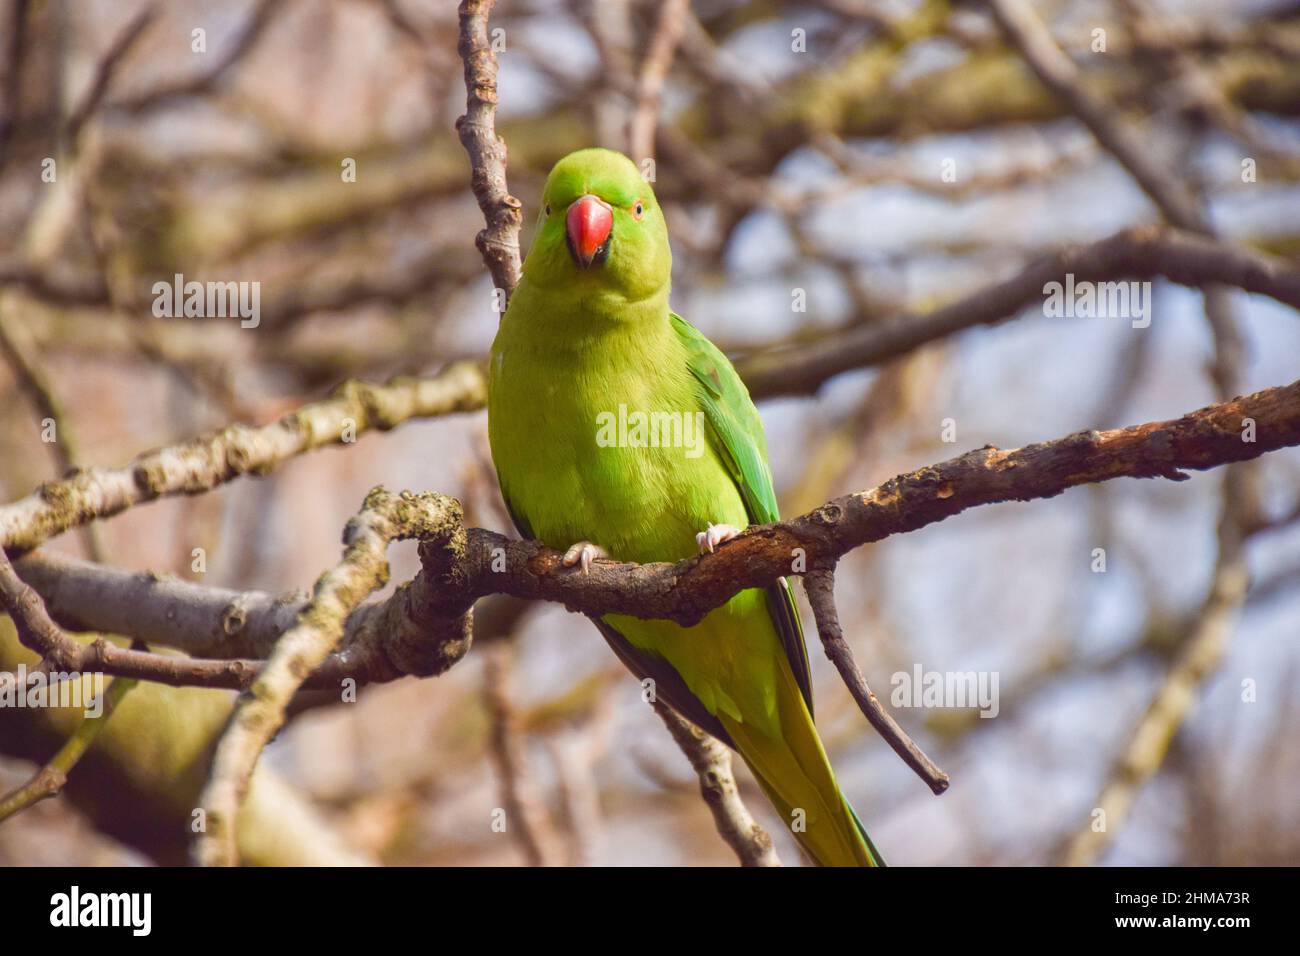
<point>689,589</point>
<point>59,652</point>
<point>210,622</point>
<point>460,567</point>
<point>489,563</point>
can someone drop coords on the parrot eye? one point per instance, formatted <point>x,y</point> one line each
<point>638,210</point>
<point>548,209</point>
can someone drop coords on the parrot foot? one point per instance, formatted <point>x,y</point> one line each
<point>714,536</point>
<point>583,553</point>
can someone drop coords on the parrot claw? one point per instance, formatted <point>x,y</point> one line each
<point>583,553</point>
<point>714,536</point>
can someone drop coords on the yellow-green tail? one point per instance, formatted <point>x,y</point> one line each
<point>796,775</point>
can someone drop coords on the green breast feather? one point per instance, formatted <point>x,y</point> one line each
<point>735,422</point>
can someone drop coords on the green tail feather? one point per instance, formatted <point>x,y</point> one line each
<point>794,772</point>
<point>876,858</point>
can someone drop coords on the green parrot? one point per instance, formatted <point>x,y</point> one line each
<point>617,429</point>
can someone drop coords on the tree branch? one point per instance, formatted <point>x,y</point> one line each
<point>1143,252</point>
<point>526,816</point>
<point>654,70</point>
<point>244,43</point>
<point>11,84</point>
<point>820,586</point>
<point>491,563</point>
<point>261,710</point>
<point>106,70</point>
<point>51,778</point>
<point>204,463</point>
<point>1148,740</point>
<point>33,381</point>
<point>499,241</point>
<point>1056,71</point>
<point>711,761</point>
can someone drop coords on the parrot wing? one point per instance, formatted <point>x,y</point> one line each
<point>738,430</point>
<point>668,684</point>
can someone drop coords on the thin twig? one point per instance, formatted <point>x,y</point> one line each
<point>1148,741</point>
<point>51,778</point>
<point>498,243</point>
<point>711,761</point>
<point>37,631</point>
<point>240,47</point>
<point>820,586</point>
<point>526,816</point>
<point>11,85</point>
<point>36,385</point>
<point>106,70</point>
<point>1151,737</point>
<point>1175,199</point>
<point>654,70</point>
<point>1057,72</point>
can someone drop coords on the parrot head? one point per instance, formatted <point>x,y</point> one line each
<point>600,229</point>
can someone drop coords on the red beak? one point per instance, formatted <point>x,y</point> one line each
<point>588,223</point>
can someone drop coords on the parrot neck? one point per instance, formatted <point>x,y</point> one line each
<point>585,319</point>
